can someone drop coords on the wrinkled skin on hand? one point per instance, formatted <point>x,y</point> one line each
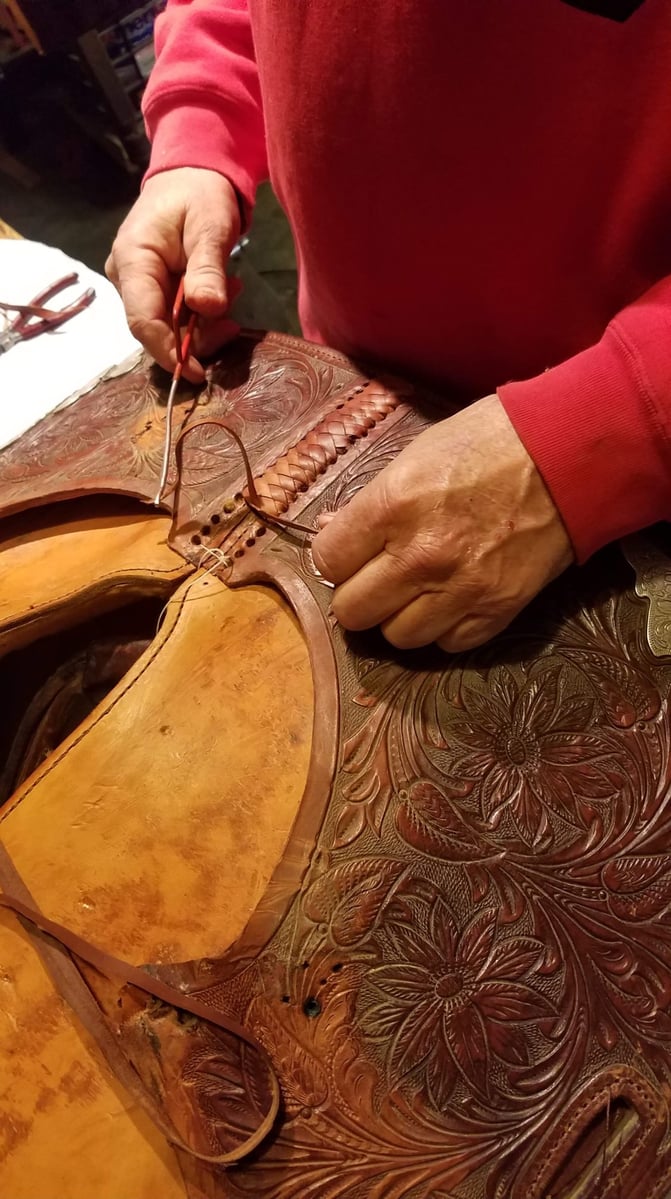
<point>450,541</point>
<point>186,221</point>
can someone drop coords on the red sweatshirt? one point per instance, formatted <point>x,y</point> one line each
<point>480,194</point>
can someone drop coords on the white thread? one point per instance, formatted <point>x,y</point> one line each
<point>220,560</point>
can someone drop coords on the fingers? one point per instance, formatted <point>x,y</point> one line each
<point>411,617</point>
<point>349,540</point>
<point>325,519</point>
<point>444,617</point>
<point>210,336</point>
<point>374,593</point>
<point>421,621</point>
<point>473,630</point>
<point>412,612</point>
<point>144,283</point>
<point>186,220</point>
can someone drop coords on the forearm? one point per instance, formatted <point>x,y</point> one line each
<point>202,106</point>
<point>598,427</point>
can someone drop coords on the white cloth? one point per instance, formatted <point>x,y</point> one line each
<point>44,372</point>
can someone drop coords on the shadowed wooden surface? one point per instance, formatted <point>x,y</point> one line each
<point>68,562</point>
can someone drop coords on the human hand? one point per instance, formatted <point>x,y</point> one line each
<point>450,540</point>
<point>186,221</point>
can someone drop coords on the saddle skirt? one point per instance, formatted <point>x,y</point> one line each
<point>404,917</point>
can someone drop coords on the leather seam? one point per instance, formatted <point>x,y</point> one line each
<point>72,595</point>
<point>109,708</point>
<point>630,1154</point>
<point>322,352</point>
<point>573,1123</point>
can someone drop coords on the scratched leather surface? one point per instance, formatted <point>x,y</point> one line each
<point>464,956</point>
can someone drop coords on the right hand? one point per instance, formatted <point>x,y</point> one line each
<point>186,221</point>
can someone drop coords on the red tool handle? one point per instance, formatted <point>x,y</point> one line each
<point>49,319</point>
<point>182,346</point>
<point>54,288</point>
<point>59,317</point>
<point>20,323</point>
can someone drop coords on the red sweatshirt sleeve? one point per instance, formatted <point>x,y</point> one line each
<point>202,105</point>
<point>599,426</point>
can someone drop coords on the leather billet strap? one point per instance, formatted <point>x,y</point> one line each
<point>53,940</point>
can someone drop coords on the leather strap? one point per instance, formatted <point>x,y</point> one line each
<point>252,498</point>
<point>78,995</point>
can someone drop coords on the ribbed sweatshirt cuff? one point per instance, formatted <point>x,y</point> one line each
<point>193,135</point>
<point>592,429</point>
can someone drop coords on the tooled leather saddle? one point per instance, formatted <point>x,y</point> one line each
<point>455,982</point>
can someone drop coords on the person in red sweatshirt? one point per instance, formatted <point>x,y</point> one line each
<point>480,196</point>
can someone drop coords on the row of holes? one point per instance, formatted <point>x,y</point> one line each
<point>230,505</point>
<point>312,1006</point>
<point>205,531</point>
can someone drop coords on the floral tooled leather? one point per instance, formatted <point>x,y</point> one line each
<point>481,935</point>
<point>461,971</point>
<point>477,960</point>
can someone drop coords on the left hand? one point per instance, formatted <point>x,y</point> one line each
<point>450,540</point>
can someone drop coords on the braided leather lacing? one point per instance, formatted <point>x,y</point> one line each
<point>280,484</point>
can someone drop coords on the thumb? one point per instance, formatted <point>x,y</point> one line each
<point>207,245</point>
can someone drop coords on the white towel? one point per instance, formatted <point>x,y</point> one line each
<point>47,371</point>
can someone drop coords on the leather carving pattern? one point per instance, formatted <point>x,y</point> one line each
<point>481,936</point>
<point>482,928</point>
<point>306,468</point>
<point>470,901</point>
<point>465,956</point>
<point>272,398</point>
<point>273,389</point>
<point>109,428</point>
<point>214,1089</point>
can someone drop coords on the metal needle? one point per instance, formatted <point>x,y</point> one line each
<point>168,436</point>
<point>182,348</point>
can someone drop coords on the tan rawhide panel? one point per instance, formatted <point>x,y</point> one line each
<point>146,811</point>
<point>67,563</point>
<point>459,965</point>
<point>68,1129</point>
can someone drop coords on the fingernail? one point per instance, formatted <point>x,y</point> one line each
<point>208,296</point>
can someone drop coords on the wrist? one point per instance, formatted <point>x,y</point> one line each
<point>193,137</point>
